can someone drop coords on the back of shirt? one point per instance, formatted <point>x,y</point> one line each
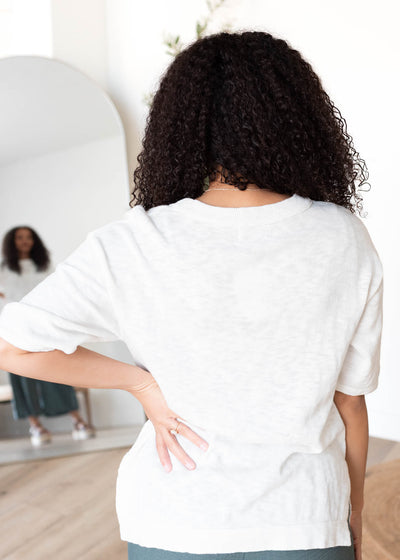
<point>246,317</point>
<point>249,319</point>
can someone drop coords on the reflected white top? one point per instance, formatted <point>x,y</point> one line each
<point>15,286</point>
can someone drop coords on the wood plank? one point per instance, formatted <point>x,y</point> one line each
<point>61,508</point>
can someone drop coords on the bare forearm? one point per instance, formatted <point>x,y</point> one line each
<point>356,454</point>
<point>83,368</point>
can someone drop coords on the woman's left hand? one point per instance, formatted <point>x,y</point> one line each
<point>164,419</point>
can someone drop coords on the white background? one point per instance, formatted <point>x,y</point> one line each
<point>353,47</point>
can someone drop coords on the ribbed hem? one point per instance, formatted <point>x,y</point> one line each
<point>216,541</point>
<point>267,213</point>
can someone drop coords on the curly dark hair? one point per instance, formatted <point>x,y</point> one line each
<point>251,105</point>
<point>10,258</point>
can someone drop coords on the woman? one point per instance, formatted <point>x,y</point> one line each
<point>26,263</point>
<point>252,309</point>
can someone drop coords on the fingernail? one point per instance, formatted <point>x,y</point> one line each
<point>204,446</point>
<point>190,465</point>
<point>167,467</point>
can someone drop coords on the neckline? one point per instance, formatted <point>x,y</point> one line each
<point>266,213</point>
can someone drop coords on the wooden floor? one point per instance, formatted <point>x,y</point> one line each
<point>61,509</point>
<point>64,508</point>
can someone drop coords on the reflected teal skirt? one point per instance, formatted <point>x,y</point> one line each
<point>34,397</point>
<point>137,552</point>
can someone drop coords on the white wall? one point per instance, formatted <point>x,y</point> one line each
<point>79,36</point>
<point>25,27</point>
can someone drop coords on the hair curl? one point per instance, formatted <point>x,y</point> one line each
<point>251,105</point>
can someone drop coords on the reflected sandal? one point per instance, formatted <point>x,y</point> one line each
<point>39,435</point>
<point>82,430</point>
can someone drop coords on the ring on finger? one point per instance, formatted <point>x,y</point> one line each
<point>175,430</point>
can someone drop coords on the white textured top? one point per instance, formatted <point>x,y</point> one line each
<point>249,318</point>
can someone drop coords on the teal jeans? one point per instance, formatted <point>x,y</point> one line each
<point>137,552</point>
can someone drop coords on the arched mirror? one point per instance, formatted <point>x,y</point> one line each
<point>63,172</point>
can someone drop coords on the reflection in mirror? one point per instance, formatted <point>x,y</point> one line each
<point>63,173</point>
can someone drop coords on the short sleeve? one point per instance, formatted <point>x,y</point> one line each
<point>360,371</point>
<point>70,307</point>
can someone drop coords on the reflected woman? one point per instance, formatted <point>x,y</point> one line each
<point>25,264</point>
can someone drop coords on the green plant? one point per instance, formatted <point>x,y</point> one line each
<point>174,44</point>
